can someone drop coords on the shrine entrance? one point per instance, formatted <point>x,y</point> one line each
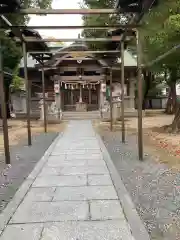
<point>69,98</point>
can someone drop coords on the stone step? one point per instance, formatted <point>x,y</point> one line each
<point>81,115</point>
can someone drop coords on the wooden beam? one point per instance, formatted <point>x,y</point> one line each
<point>68,11</point>
<point>76,52</point>
<point>58,27</point>
<point>33,39</point>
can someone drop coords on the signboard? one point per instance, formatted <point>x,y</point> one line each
<point>56,87</point>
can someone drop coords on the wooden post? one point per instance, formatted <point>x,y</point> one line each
<point>80,93</point>
<point>4,112</point>
<point>122,92</point>
<point>111,102</point>
<point>28,95</point>
<point>60,101</point>
<point>140,88</point>
<point>71,96</point>
<point>44,101</point>
<point>89,95</point>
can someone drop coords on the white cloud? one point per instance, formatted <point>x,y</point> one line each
<point>55,20</point>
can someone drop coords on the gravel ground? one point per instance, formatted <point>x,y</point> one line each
<point>23,160</point>
<point>155,189</point>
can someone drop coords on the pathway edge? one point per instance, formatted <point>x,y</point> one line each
<point>12,206</point>
<point>137,227</point>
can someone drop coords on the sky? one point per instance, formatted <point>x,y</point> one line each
<point>56,20</point>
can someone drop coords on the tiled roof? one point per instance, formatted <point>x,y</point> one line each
<point>129,60</point>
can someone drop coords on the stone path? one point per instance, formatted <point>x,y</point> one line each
<point>72,197</point>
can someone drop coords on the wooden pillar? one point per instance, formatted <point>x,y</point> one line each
<point>80,94</point>
<point>44,101</point>
<point>60,99</point>
<point>90,96</point>
<point>72,97</point>
<point>132,92</point>
<point>4,111</point>
<point>140,88</point>
<point>111,102</point>
<point>28,95</point>
<point>122,92</point>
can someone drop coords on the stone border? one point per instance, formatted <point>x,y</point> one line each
<point>137,227</point>
<point>12,206</point>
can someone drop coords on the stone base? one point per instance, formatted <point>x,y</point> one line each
<point>81,107</point>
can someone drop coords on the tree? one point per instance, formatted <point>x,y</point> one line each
<point>160,33</point>
<point>12,54</point>
<point>98,19</point>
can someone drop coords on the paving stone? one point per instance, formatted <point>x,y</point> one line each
<point>54,161</point>
<point>50,171</point>
<point>40,194</point>
<point>105,210</point>
<point>21,232</point>
<point>96,162</point>
<point>73,170</point>
<point>58,181</point>
<point>99,180</point>
<point>84,170</point>
<point>84,156</point>
<point>89,230</point>
<point>77,152</point>
<point>51,211</point>
<point>85,193</point>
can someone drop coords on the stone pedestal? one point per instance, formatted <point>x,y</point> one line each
<point>42,110</point>
<point>81,107</point>
<point>116,110</point>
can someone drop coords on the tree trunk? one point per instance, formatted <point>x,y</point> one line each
<point>171,103</point>
<point>147,79</point>
<point>172,98</point>
<point>176,122</point>
<point>6,91</point>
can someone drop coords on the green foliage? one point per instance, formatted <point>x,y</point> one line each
<point>17,84</point>
<point>12,53</point>
<point>98,19</point>
<point>160,33</point>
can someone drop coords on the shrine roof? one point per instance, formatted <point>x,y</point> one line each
<point>31,46</point>
<point>129,61</point>
<point>61,55</point>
